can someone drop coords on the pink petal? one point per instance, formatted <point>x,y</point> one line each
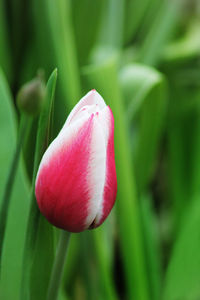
<point>62,189</point>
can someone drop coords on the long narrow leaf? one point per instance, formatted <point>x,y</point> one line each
<point>60,29</point>
<point>12,255</point>
<point>183,272</point>
<point>34,215</point>
<point>146,94</point>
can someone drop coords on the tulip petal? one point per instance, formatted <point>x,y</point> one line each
<point>96,171</point>
<point>91,98</point>
<point>110,184</point>
<point>76,183</point>
<point>62,177</point>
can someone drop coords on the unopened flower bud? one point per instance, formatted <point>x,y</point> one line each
<point>76,182</point>
<point>31,96</point>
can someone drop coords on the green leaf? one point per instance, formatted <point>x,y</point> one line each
<point>62,295</point>
<point>10,180</point>
<point>8,130</point>
<point>145,93</point>
<point>43,256</point>
<point>12,255</point>
<point>81,13</point>
<point>104,266</point>
<point>44,126</point>
<point>183,147</point>
<point>111,35</point>
<point>183,272</point>
<point>185,48</point>
<point>134,15</point>
<point>34,231</point>
<point>40,44</point>
<point>58,16</point>
<point>160,32</point>
<point>5,58</point>
<point>72,263</point>
<point>152,247</point>
<point>88,272</point>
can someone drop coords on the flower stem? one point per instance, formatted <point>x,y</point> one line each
<point>11,178</point>
<point>58,266</point>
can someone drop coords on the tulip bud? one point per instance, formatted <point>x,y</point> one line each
<point>31,96</point>
<point>76,182</point>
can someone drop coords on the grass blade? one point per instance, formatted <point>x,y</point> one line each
<point>34,215</point>
<point>134,15</point>
<point>159,33</point>
<point>60,29</point>
<point>12,255</point>
<point>5,55</point>
<point>102,257</point>
<point>93,15</point>
<point>183,273</point>
<point>10,180</point>
<point>146,94</point>
<point>152,247</point>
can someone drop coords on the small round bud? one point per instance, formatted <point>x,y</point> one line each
<point>31,96</point>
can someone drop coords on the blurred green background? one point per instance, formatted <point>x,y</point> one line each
<point>143,57</point>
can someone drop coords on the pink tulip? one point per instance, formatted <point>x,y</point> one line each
<point>76,183</point>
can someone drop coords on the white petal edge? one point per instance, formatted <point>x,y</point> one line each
<point>91,98</point>
<point>96,172</point>
<point>98,166</point>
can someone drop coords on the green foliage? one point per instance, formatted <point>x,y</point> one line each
<point>183,272</point>
<point>58,16</point>
<point>143,57</point>
<point>34,251</point>
<point>5,59</point>
<point>145,94</point>
<point>152,248</point>
<point>12,255</point>
<point>86,33</point>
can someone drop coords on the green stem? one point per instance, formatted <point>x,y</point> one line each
<point>10,180</point>
<point>58,266</point>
